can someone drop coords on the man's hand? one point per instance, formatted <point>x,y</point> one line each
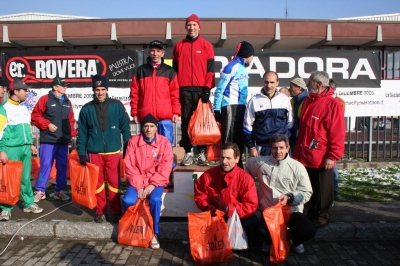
<point>136,119</point>
<point>329,164</point>
<point>217,114</point>
<point>253,152</point>
<point>175,118</point>
<point>220,204</point>
<point>34,150</point>
<point>210,208</point>
<point>52,127</point>
<point>283,199</point>
<point>141,193</point>
<point>82,160</point>
<point>205,95</point>
<point>148,190</point>
<point>3,157</point>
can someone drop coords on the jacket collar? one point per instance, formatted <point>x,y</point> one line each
<point>155,143</point>
<point>276,162</point>
<point>301,96</point>
<point>327,92</point>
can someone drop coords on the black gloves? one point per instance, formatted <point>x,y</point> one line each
<point>205,95</point>
<point>82,159</point>
<point>217,115</point>
<point>210,208</point>
<point>220,204</point>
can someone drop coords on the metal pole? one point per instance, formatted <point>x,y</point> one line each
<point>370,140</point>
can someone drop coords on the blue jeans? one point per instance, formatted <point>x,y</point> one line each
<point>335,179</point>
<point>155,203</point>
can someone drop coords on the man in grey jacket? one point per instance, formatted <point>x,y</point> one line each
<point>283,180</point>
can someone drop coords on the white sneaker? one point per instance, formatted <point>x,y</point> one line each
<point>60,195</point>
<point>33,208</point>
<point>202,160</point>
<point>187,159</point>
<point>39,195</point>
<point>154,244</point>
<point>299,249</point>
<point>5,216</point>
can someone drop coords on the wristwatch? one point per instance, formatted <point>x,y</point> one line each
<point>290,197</point>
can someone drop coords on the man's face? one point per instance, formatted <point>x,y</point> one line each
<point>100,93</point>
<point>21,94</point>
<point>294,90</point>
<point>2,91</point>
<point>279,150</point>
<point>313,86</point>
<point>270,84</point>
<point>192,29</point>
<point>149,130</point>
<point>59,90</point>
<point>228,160</point>
<point>156,54</point>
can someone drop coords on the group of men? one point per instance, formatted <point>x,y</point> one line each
<point>308,127</point>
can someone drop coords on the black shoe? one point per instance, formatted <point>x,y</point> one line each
<point>321,222</point>
<point>113,218</point>
<point>100,218</point>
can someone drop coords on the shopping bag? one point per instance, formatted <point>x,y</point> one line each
<point>35,168</point>
<point>136,226</point>
<point>276,219</point>
<point>203,128</point>
<point>237,235</point>
<point>213,152</point>
<point>208,237</point>
<point>10,182</point>
<point>83,181</point>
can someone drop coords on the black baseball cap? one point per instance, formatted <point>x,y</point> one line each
<point>59,81</point>
<point>157,44</point>
<point>3,82</point>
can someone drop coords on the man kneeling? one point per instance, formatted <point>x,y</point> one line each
<point>283,180</point>
<point>228,187</point>
<point>148,164</point>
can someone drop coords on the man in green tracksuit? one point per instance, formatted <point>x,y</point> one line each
<point>16,143</point>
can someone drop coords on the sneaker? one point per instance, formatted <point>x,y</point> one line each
<point>187,159</point>
<point>5,216</point>
<point>113,218</point>
<point>298,249</point>
<point>60,195</point>
<point>265,247</point>
<point>202,160</point>
<point>39,195</point>
<point>154,244</point>
<point>100,218</point>
<point>33,208</point>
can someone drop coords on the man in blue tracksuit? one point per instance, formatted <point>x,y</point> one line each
<point>267,113</point>
<point>230,97</point>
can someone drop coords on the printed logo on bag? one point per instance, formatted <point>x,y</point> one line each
<point>3,188</point>
<point>81,189</point>
<point>216,244</point>
<point>135,229</point>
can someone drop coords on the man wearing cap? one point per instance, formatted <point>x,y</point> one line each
<point>16,143</point>
<point>155,90</point>
<point>148,163</point>
<point>298,91</point>
<point>267,113</point>
<point>54,116</point>
<point>230,97</point>
<point>3,87</point>
<point>101,123</point>
<point>193,60</point>
<point>320,144</point>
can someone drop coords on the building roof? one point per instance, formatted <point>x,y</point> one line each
<point>385,17</point>
<point>33,16</point>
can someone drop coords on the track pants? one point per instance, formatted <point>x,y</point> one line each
<point>155,202</point>
<point>23,154</point>
<point>49,152</point>
<point>108,171</point>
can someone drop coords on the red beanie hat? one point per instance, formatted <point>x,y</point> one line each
<point>193,17</point>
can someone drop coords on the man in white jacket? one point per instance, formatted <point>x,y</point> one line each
<point>283,180</point>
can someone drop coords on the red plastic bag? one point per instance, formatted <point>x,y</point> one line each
<point>136,226</point>
<point>83,183</point>
<point>35,169</point>
<point>10,182</point>
<point>276,218</point>
<point>213,152</point>
<point>208,237</point>
<point>203,128</point>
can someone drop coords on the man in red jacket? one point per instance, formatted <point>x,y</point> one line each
<point>320,144</point>
<point>193,60</point>
<point>227,187</point>
<point>155,91</point>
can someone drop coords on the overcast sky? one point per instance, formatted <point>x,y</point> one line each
<point>296,9</point>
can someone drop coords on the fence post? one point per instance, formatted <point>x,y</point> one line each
<point>370,139</point>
